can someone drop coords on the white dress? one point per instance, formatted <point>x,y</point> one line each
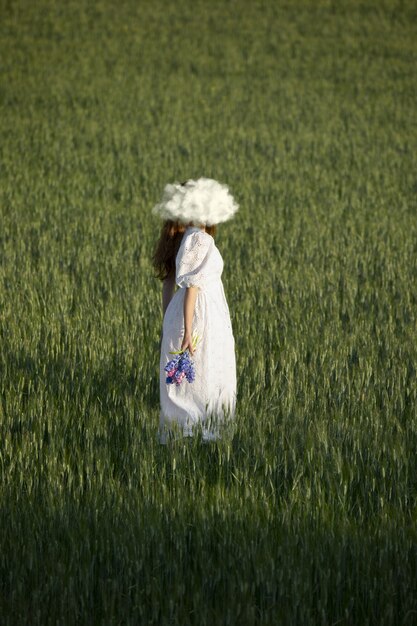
<point>210,400</point>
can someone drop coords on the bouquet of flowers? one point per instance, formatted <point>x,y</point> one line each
<point>181,366</point>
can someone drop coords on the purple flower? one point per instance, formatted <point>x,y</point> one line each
<point>180,367</point>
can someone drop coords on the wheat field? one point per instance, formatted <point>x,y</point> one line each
<point>306,514</point>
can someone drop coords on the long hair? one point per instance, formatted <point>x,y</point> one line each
<point>163,258</point>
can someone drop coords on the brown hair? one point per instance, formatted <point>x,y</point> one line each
<point>166,249</point>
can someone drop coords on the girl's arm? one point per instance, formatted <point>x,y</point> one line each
<point>168,287</point>
<point>189,306</point>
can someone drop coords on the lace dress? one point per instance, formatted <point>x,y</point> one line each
<point>210,400</point>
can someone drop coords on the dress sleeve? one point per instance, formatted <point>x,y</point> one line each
<point>192,258</point>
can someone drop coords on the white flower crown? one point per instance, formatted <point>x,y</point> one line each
<point>203,201</point>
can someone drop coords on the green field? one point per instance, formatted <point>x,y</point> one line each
<point>307,514</point>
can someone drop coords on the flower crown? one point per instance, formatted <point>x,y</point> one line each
<point>204,201</point>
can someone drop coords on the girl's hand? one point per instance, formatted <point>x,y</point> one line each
<point>187,342</point>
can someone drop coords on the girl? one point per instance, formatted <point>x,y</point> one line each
<point>196,317</point>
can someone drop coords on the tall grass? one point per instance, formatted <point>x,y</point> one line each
<point>307,513</point>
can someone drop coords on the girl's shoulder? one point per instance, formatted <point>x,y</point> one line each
<point>197,234</point>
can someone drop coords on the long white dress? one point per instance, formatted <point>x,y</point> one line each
<point>210,400</point>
